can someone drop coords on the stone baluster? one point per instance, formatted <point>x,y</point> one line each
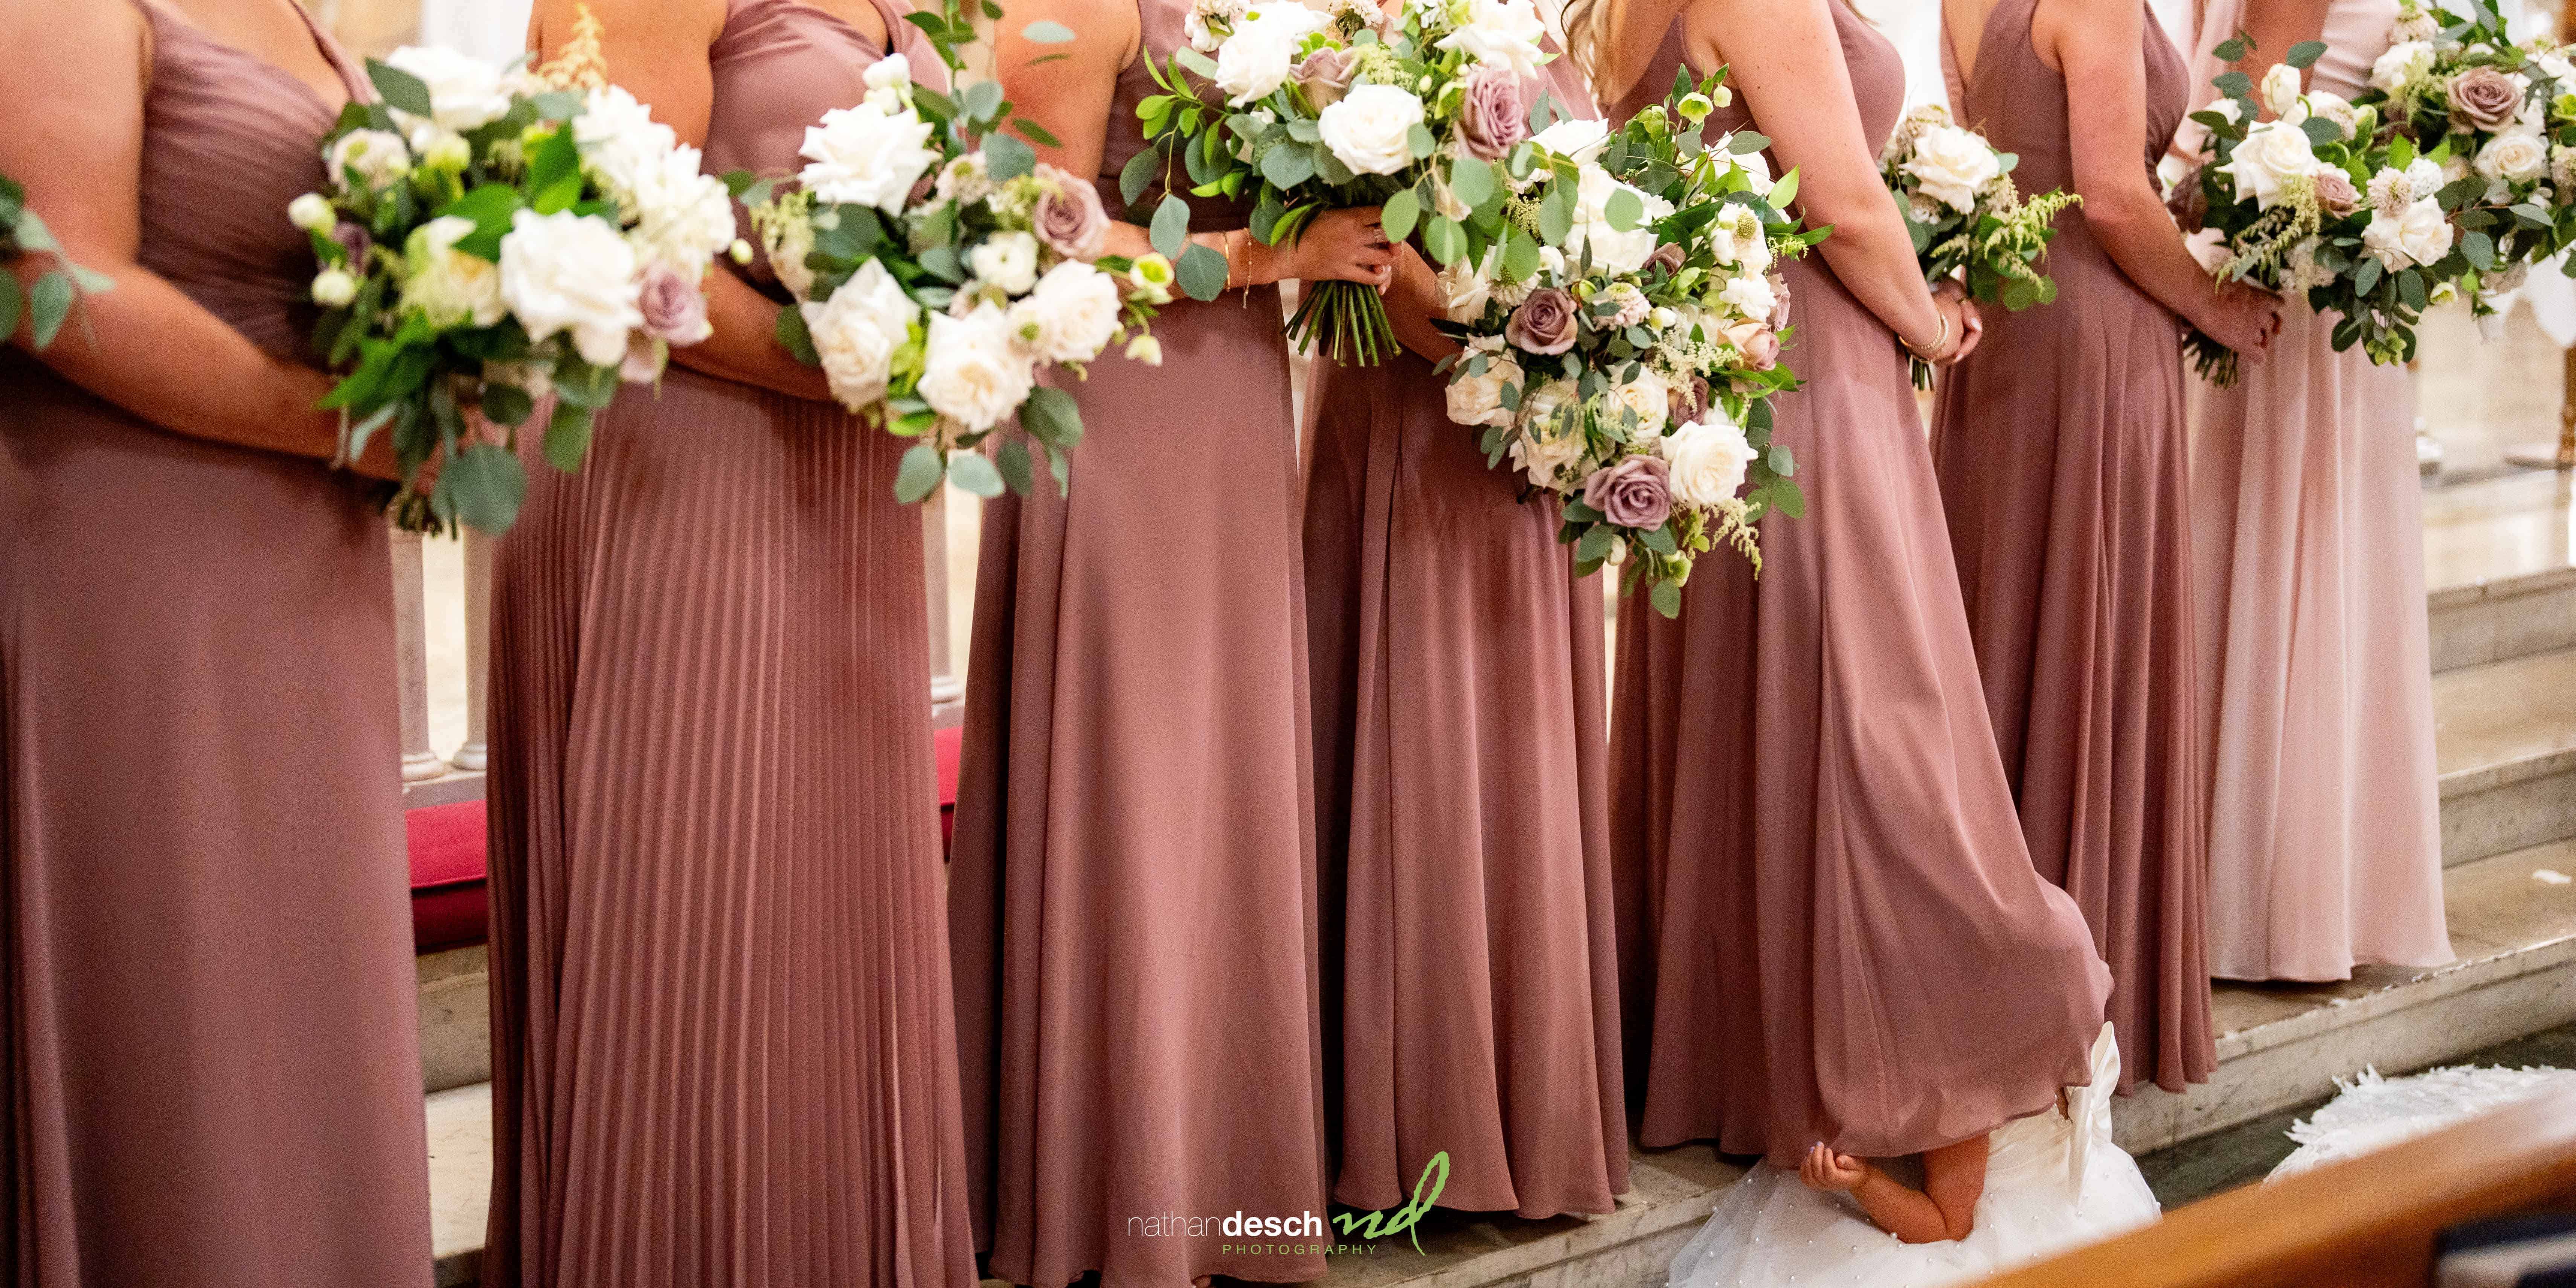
<point>473,755</point>
<point>947,692</point>
<point>411,659</point>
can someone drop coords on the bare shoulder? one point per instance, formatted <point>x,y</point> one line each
<point>1106,33</point>
<point>67,57</point>
<point>1731,31</point>
<point>2071,28</point>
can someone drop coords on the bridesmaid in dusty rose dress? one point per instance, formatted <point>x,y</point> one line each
<point>2325,826</point>
<point>1829,927</point>
<point>1133,883</point>
<point>2060,454</point>
<point>723,1055</point>
<point>213,1069</point>
<point>1472,998</point>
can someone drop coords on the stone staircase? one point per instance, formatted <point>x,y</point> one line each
<point>2501,555</point>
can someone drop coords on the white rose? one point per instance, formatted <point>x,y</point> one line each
<point>1549,447</point>
<point>1613,250</point>
<point>1466,288</point>
<point>857,331</point>
<point>1196,26</point>
<point>312,213</point>
<point>1262,50</point>
<point>567,273</point>
<point>1736,235</point>
<point>2421,235</point>
<point>1503,33</point>
<point>620,142</point>
<point>1071,315</point>
<point>1708,459</point>
<point>973,374</point>
<point>448,286</point>
<point>1576,139</point>
<point>465,93</point>
<point>2280,89</point>
<point>2209,248</point>
<point>2513,158</point>
<point>2556,67</point>
<point>1370,129</point>
<point>894,71</point>
<point>442,150</point>
<point>1006,261</point>
<point>1750,296</point>
<point>380,157</point>
<point>2404,61</point>
<point>684,217</point>
<point>1478,399</point>
<point>787,242</point>
<point>866,156</point>
<point>2269,154</point>
<point>1649,396</point>
<point>1952,164</point>
<point>2333,107</point>
<point>2229,108</point>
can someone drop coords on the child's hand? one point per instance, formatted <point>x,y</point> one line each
<point>1823,1169</point>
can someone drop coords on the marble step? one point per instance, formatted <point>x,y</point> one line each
<point>2505,746</point>
<point>2500,556</point>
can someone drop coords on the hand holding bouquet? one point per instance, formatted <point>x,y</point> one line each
<point>938,265</point>
<point>1623,362</point>
<point>1966,216</point>
<point>1421,114</point>
<point>492,244</point>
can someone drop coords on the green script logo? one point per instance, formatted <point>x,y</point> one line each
<point>1382,1225</point>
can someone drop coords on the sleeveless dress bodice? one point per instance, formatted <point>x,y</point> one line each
<point>1159,34</point>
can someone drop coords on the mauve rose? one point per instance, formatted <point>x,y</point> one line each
<point>2335,193</point>
<point>674,308</point>
<point>2485,98</point>
<point>1759,344</point>
<point>1544,323</point>
<point>1667,257</point>
<point>1689,401</point>
<point>1779,319</point>
<point>354,239</point>
<point>1493,117</point>
<point>1325,76</point>
<point>1635,493</point>
<point>1068,215</point>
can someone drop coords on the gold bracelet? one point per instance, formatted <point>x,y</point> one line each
<point>1939,338</point>
<point>1237,242</point>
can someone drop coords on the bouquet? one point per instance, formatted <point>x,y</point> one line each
<point>1421,114</point>
<point>47,302</point>
<point>494,243</point>
<point>2491,123</point>
<point>1624,363</point>
<point>2280,204</point>
<point>1965,214</point>
<point>937,266</point>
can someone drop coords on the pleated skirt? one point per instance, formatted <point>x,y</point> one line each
<point>1820,877</point>
<point>1471,986</point>
<point>2060,451</point>
<point>212,1058</point>
<point>723,1055</point>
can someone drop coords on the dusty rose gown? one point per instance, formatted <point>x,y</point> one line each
<point>213,1067</point>
<point>2325,827</point>
<point>1829,927</point>
<point>723,1055</point>
<point>1132,889</point>
<point>1462,820</point>
<point>2059,446</point>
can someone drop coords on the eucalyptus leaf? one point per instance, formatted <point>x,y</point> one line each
<point>1136,175</point>
<point>1747,142</point>
<point>1471,181</point>
<point>506,404</point>
<point>1201,272</point>
<point>567,436</point>
<point>919,474</point>
<point>13,305</point>
<point>1286,165</point>
<point>1046,32</point>
<point>1171,228</point>
<point>1418,139</point>
<point>400,90</point>
<point>1007,158</point>
<point>49,303</point>
<point>1556,214</point>
<point>1520,257</point>
<point>1052,417</point>
<point>1396,218</point>
<point>2305,54</point>
<point>483,487</point>
<point>972,472</point>
<point>1446,241</point>
<point>1666,598</point>
<point>793,337</point>
<point>1625,209</point>
<point>1012,459</point>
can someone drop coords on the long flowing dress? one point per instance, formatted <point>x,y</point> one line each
<point>1829,927</point>
<point>213,1066</point>
<point>2325,835</point>
<point>2059,446</point>
<point>723,1055</point>
<point>1461,791</point>
<point>1132,890</point>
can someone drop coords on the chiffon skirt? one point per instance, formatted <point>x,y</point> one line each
<point>722,1046</point>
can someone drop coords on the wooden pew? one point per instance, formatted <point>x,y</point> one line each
<point>2364,1223</point>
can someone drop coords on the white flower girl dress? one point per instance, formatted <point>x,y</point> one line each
<point>2053,1182</point>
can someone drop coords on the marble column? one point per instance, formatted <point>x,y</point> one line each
<point>411,660</point>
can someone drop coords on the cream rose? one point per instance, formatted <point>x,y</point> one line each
<point>1501,33</point>
<point>1649,396</point>
<point>973,374</point>
<point>2270,154</point>
<point>1548,449</point>
<point>1952,164</point>
<point>465,93</point>
<point>448,286</point>
<point>1258,57</point>
<point>1576,139</point>
<point>1466,287</point>
<point>572,274</point>
<point>857,331</point>
<point>1478,399</point>
<point>1709,457</point>
<point>2280,90</point>
<point>2419,235</point>
<point>1006,261</point>
<point>866,156</point>
<point>1750,296</point>
<point>1370,129</point>
<point>2512,158</point>
<point>1614,250</point>
<point>379,157</point>
<point>1069,317</point>
<point>2404,61</point>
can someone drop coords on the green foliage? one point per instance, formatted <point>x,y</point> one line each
<point>54,296</point>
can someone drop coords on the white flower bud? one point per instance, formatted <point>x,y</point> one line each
<point>1145,349</point>
<point>312,214</point>
<point>333,289</point>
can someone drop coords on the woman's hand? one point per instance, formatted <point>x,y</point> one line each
<point>1825,1170</point>
<point>1967,321</point>
<point>1341,245</point>
<point>2244,319</point>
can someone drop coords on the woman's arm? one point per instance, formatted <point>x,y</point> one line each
<point>657,50</point>
<point>71,131</point>
<point>2097,44</point>
<point>1070,87</point>
<point>2272,26</point>
<point>1945,1208</point>
<point>1414,302</point>
<point>1786,59</point>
